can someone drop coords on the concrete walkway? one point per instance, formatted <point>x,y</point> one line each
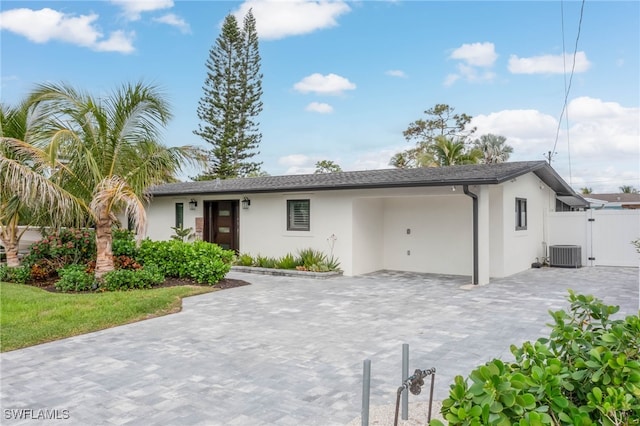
<point>288,351</point>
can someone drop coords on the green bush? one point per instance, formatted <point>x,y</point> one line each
<point>287,262</point>
<point>265,262</point>
<point>127,279</point>
<point>18,275</point>
<point>245,260</point>
<point>124,243</point>
<point>310,257</point>
<point>204,262</point>
<point>306,260</point>
<point>64,247</point>
<point>586,373</point>
<point>74,278</point>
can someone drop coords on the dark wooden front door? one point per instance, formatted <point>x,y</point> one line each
<point>221,223</point>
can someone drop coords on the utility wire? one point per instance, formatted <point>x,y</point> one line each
<point>573,67</point>
<point>564,73</point>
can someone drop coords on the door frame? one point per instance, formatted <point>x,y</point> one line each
<point>211,219</point>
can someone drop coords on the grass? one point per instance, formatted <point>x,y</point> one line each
<point>30,316</point>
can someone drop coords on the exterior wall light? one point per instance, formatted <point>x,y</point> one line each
<point>246,203</point>
<point>193,204</point>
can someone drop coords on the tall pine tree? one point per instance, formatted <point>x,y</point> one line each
<point>231,101</point>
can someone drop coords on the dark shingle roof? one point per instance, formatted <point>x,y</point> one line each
<point>476,174</point>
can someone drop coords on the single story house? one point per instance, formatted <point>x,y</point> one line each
<point>477,220</point>
<point>614,201</point>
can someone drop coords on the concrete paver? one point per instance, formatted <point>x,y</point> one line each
<point>289,351</point>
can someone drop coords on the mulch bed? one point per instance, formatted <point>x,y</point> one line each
<point>223,284</point>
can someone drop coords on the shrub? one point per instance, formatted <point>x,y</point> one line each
<point>245,260</point>
<point>127,279</point>
<point>309,257</point>
<point>202,261</point>
<point>74,278</point>
<point>265,262</point>
<point>64,247</point>
<point>124,243</point>
<point>587,372</point>
<point>18,275</point>
<point>287,262</point>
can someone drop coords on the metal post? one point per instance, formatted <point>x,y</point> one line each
<point>405,376</point>
<point>366,390</point>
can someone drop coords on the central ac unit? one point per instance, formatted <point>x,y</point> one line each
<point>565,256</point>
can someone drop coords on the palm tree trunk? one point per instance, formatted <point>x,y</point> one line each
<point>104,258</point>
<point>11,251</point>
<point>10,237</point>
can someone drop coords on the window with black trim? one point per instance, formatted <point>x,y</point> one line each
<point>521,214</point>
<point>298,215</point>
<point>180,215</point>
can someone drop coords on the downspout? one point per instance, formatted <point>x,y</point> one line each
<point>465,188</point>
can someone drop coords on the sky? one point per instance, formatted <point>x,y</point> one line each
<point>342,80</point>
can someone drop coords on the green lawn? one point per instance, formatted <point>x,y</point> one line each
<point>29,315</point>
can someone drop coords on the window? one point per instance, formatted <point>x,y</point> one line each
<point>298,215</point>
<point>521,214</point>
<point>180,215</point>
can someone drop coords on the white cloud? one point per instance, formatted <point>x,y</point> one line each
<point>476,54</point>
<point>319,107</point>
<point>474,59</point>
<point>276,19</point>
<point>174,21</point>
<point>298,164</point>
<point>119,41</point>
<point>330,84</point>
<point>602,136</point>
<point>133,8</point>
<point>396,73</point>
<point>44,25</point>
<point>548,64</point>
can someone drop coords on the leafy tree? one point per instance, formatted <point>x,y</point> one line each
<point>231,101</point>
<point>449,152</point>
<point>327,166</point>
<point>111,154</point>
<point>628,189</point>
<point>441,122</point>
<point>27,196</point>
<point>493,148</point>
<point>586,191</point>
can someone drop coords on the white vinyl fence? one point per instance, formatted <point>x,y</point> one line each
<point>604,235</point>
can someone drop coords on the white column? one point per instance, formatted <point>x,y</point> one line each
<point>484,249</point>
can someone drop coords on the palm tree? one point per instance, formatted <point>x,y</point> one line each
<point>494,149</point>
<point>449,152</point>
<point>586,191</point>
<point>628,189</point>
<point>27,196</point>
<point>111,154</point>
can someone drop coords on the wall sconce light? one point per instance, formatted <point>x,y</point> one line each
<point>193,204</point>
<point>453,188</point>
<point>246,203</point>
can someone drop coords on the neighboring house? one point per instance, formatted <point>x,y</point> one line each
<point>614,201</point>
<point>478,220</point>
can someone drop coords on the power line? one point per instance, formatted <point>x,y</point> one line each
<point>573,67</point>
<point>564,73</point>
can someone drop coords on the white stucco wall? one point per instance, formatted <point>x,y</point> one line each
<point>368,235</point>
<point>263,227</point>
<point>522,247</point>
<point>441,234</point>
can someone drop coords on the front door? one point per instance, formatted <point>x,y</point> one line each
<point>221,223</point>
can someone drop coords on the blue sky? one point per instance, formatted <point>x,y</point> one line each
<point>342,80</point>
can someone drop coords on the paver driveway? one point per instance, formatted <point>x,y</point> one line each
<point>289,351</point>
